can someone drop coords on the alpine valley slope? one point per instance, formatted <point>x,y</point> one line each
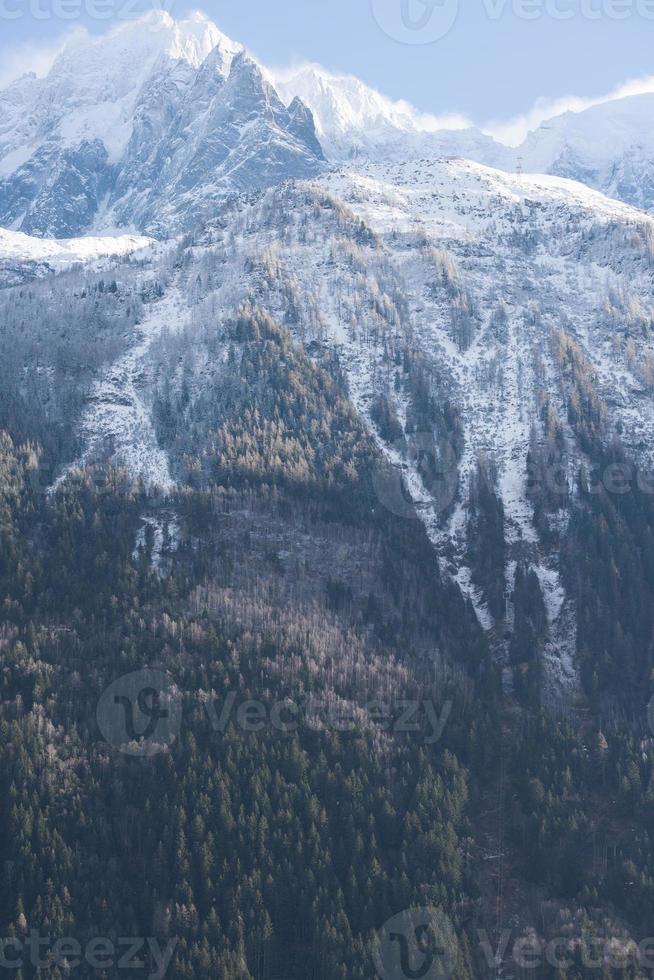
<point>476,317</point>
<point>367,430</point>
<point>484,320</point>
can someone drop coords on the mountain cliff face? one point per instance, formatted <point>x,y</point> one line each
<point>144,129</point>
<point>229,134</point>
<point>376,428</point>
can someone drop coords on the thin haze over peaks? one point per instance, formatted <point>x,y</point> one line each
<point>348,99</point>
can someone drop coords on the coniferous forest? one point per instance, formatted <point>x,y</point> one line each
<point>286,821</point>
<point>327,491</point>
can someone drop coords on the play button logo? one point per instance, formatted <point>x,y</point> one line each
<point>416,21</point>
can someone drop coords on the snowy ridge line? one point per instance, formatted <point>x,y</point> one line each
<point>61,254</point>
<point>162,119</point>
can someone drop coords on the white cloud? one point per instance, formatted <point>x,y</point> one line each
<point>511,132</point>
<point>514,131</point>
<point>357,101</point>
<point>19,59</point>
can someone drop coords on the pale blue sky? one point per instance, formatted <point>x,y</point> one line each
<point>486,67</point>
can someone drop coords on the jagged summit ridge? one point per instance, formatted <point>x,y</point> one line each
<point>608,146</point>
<point>84,147</point>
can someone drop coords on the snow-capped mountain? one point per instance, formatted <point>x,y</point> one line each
<point>148,127</point>
<point>355,121</point>
<point>155,112</point>
<point>427,279</point>
<point>608,146</point>
<point>324,408</point>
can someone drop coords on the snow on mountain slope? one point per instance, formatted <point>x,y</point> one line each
<point>458,197</point>
<point>474,272</point>
<point>608,146</point>
<point>23,257</point>
<point>118,415</point>
<point>453,291</point>
<point>543,247</point>
<point>528,256</point>
<point>61,254</point>
<point>354,120</point>
<point>126,126</point>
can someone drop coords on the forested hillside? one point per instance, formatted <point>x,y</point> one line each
<point>327,569</point>
<point>259,852</point>
<point>273,574</point>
